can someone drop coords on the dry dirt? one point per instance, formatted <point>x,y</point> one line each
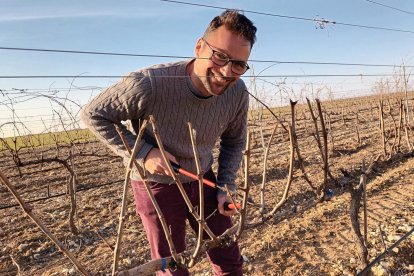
<point>305,237</point>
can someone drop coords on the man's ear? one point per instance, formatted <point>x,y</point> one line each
<point>197,48</point>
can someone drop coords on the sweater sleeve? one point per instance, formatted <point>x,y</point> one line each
<point>233,141</point>
<point>126,100</point>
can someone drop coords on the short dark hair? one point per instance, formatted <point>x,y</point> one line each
<point>235,22</point>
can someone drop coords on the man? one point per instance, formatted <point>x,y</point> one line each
<point>206,91</point>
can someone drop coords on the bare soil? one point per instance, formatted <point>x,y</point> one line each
<point>305,237</point>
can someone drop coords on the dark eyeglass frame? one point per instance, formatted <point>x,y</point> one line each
<point>226,60</point>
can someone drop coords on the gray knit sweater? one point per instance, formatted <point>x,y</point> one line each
<point>165,92</point>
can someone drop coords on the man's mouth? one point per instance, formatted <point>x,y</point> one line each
<point>220,79</point>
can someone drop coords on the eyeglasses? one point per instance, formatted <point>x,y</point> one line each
<point>238,67</point>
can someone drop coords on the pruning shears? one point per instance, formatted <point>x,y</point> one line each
<point>178,169</point>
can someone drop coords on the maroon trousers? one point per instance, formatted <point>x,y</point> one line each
<point>224,261</point>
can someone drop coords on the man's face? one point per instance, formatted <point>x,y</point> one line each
<point>210,78</point>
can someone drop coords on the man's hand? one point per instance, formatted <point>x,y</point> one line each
<point>221,200</point>
<point>154,162</point>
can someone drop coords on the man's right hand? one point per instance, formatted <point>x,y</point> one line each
<point>154,162</point>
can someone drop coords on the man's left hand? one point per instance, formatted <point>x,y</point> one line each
<point>221,198</point>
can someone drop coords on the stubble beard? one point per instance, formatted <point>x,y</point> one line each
<point>207,84</point>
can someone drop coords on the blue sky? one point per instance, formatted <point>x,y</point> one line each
<point>164,28</point>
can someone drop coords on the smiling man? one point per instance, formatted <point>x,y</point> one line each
<point>206,91</point>
<point>214,75</point>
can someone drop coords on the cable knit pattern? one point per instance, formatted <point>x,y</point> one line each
<point>164,91</point>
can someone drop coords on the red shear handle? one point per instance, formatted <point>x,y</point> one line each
<point>230,206</point>
<point>177,168</point>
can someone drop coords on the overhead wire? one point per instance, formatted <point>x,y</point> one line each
<point>190,57</point>
<point>15,91</point>
<point>323,21</point>
<point>185,76</point>
<point>38,108</point>
<point>390,7</point>
<point>51,89</point>
<point>65,119</point>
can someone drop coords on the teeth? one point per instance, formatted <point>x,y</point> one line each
<point>219,78</point>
